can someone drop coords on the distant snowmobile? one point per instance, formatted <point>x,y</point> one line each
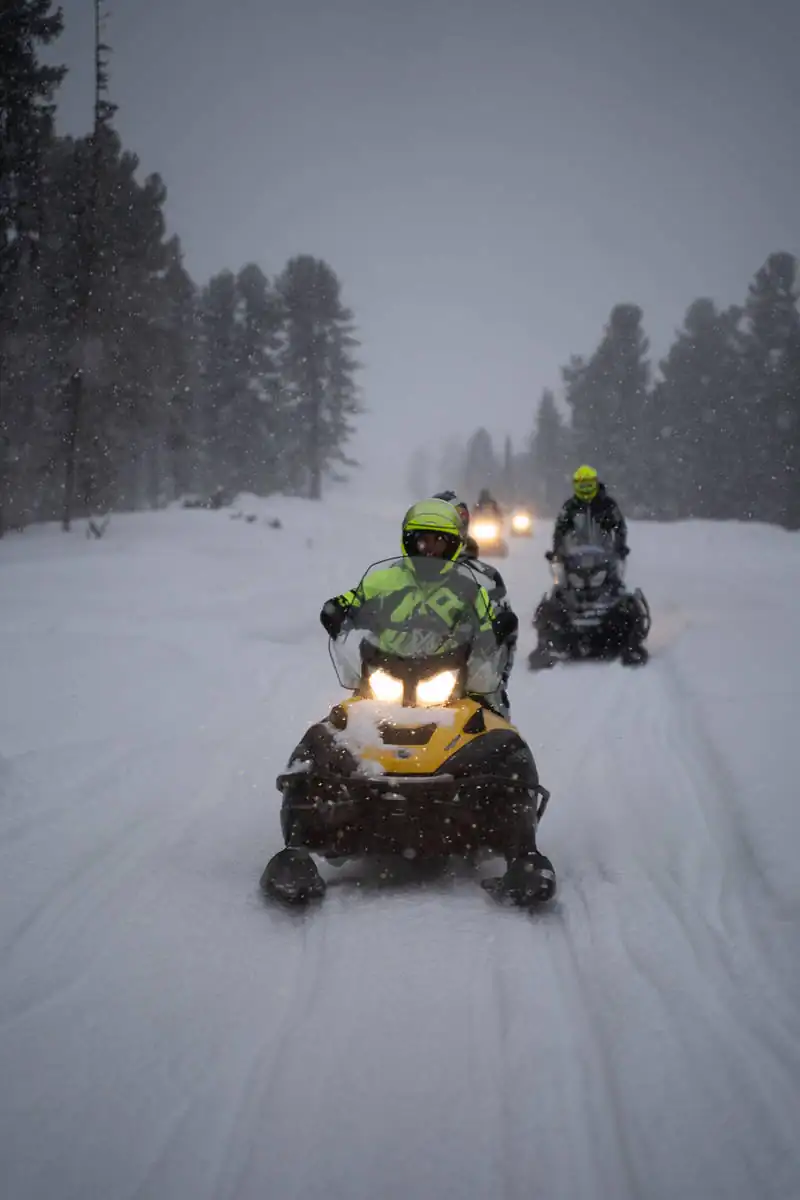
<point>521,521</point>
<point>486,527</point>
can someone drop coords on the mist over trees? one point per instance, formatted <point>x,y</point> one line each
<point>713,431</point>
<point>122,382</point>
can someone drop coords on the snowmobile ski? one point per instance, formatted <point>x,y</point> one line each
<point>528,882</point>
<point>291,875</point>
<point>634,656</point>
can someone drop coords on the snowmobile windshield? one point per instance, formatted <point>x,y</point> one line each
<point>414,618</point>
<point>585,534</point>
<point>587,571</point>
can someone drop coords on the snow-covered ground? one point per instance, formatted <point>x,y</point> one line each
<point>164,1034</point>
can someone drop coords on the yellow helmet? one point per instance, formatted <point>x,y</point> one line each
<point>433,516</point>
<point>585,483</point>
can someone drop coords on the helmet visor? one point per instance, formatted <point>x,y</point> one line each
<point>431,543</point>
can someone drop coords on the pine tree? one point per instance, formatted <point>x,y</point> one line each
<point>119,385</point>
<point>607,395</point>
<point>508,488</point>
<point>697,429</point>
<point>549,456</point>
<point>177,326</point>
<point>317,371</point>
<point>480,470</point>
<point>89,242</point>
<point>26,119</point>
<point>772,387</point>
<point>259,424</point>
<point>221,378</point>
<point>110,262</point>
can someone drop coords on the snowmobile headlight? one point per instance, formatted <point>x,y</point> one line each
<point>521,521</point>
<point>574,580</point>
<point>385,687</point>
<point>437,689</point>
<point>598,577</point>
<point>485,531</point>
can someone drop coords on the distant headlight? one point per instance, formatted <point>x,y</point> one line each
<point>521,521</point>
<point>485,531</point>
<point>438,689</point>
<point>385,687</point>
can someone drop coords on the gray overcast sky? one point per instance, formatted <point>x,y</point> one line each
<point>487,178</point>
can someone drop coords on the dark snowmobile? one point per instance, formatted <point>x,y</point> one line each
<point>414,765</point>
<point>589,614</point>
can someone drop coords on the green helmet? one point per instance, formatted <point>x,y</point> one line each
<point>585,483</point>
<point>433,517</point>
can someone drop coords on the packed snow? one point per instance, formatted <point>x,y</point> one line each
<point>166,1032</point>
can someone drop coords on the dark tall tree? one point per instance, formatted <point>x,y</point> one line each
<point>696,444</point>
<point>549,456</point>
<point>317,368</point>
<point>772,387</point>
<point>89,230</point>
<point>241,414</point>
<point>607,395</point>
<point>110,266</point>
<point>508,483</point>
<point>221,377</point>
<point>26,119</point>
<point>480,469</point>
<point>178,341</point>
<point>260,418</point>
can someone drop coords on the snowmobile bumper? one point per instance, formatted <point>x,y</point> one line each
<point>354,815</point>
<point>599,631</point>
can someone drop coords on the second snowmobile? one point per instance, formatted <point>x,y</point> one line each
<point>589,613</point>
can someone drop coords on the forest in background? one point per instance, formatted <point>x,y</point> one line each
<point>124,383</point>
<point>714,432</point>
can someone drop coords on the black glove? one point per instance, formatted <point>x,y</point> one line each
<point>624,551</point>
<point>505,625</point>
<point>549,555</point>
<point>332,617</point>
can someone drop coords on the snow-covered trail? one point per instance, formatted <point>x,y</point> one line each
<point>164,1032</point>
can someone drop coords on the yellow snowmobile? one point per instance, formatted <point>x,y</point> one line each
<point>414,765</point>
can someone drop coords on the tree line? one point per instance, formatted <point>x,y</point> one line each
<point>714,432</point>
<point>122,382</point>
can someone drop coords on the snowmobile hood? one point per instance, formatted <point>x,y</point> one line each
<point>396,740</point>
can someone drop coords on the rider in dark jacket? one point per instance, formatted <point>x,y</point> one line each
<point>590,497</point>
<point>487,506</point>
<point>492,580</point>
<point>552,615</point>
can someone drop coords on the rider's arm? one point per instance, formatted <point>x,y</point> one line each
<point>484,609</point>
<point>620,528</point>
<point>562,526</point>
<point>357,604</point>
<point>334,612</point>
<point>502,606</point>
<point>498,620</point>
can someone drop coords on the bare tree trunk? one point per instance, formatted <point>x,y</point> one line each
<point>315,446</point>
<point>78,383</point>
<point>3,451</point>
<point>74,409</point>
